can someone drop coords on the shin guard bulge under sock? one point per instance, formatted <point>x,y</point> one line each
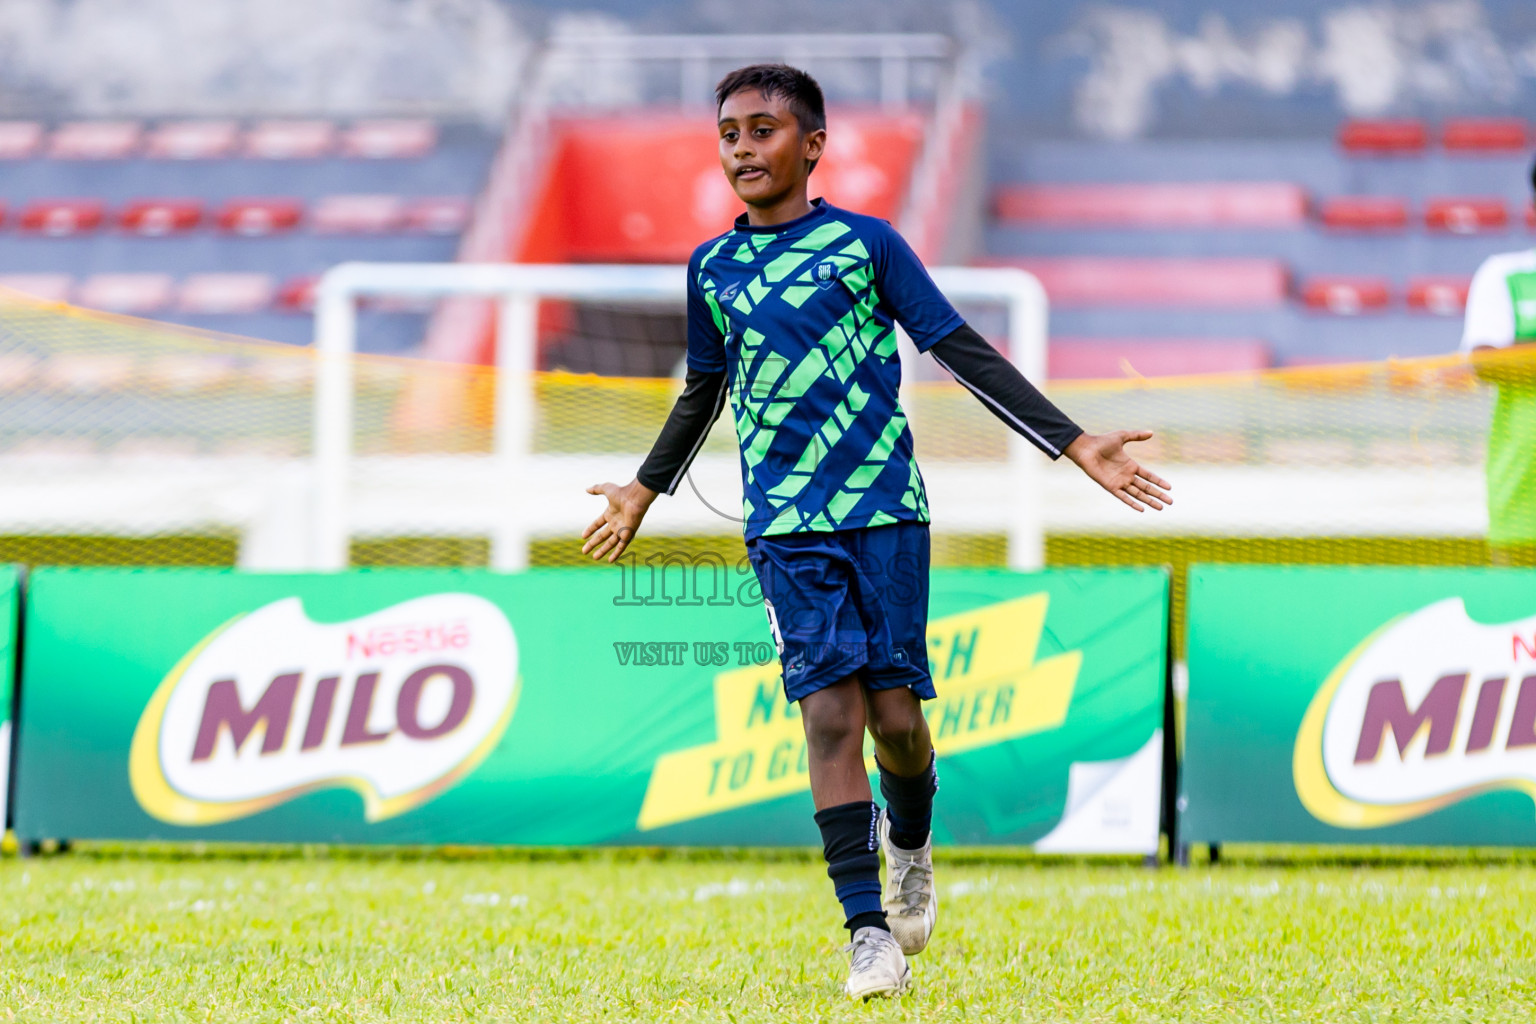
<point>850,842</point>
<point>909,803</point>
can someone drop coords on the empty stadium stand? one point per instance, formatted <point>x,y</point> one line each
<point>225,224</point>
<point>1156,205</point>
<point>1075,358</point>
<point>1347,296</point>
<point>1441,296</point>
<point>1378,138</point>
<point>1466,216</point>
<point>1163,255</point>
<point>1155,282</point>
<point>1364,213</point>
<point>1355,247</point>
<point>1486,135</point>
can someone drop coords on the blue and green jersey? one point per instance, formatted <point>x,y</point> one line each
<point>801,316</point>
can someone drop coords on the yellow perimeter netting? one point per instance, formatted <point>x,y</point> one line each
<point>133,442</point>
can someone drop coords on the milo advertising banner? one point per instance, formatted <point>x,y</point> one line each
<point>1361,705</point>
<point>639,705</point>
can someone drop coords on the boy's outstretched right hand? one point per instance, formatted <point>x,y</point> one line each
<point>1103,457</point>
<point>611,532</point>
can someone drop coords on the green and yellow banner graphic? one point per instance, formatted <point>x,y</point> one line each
<point>990,690</point>
<point>1365,705</point>
<point>557,707</point>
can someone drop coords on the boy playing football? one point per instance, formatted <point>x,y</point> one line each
<point>791,316</point>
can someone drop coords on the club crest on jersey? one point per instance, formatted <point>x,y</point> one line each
<point>825,274</point>
<point>728,292</point>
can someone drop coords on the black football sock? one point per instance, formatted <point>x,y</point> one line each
<point>909,803</point>
<point>850,843</point>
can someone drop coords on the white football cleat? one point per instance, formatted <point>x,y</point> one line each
<point>910,903</point>
<point>878,968</point>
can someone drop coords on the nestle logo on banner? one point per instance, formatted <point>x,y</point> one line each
<point>397,706</point>
<point>384,641</point>
<point>1431,709</point>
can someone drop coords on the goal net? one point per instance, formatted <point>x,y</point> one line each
<point>559,420</point>
<point>132,442</point>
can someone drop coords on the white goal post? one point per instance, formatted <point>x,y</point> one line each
<point>549,494</point>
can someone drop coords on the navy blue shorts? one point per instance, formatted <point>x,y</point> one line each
<point>848,601</point>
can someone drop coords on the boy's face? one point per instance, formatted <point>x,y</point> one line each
<point>765,155</point>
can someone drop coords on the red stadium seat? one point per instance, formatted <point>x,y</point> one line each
<point>1486,135</point>
<point>225,293</point>
<point>1195,283</point>
<point>193,140</point>
<point>1087,358</point>
<point>1466,216</point>
<point>48,287</point>
<point>20,139</point>
<point>1383,137</point>
<point>1347,296</point>
<point>126,293</point>
<point>156,217</point>
<point>1442,296</point>
<point>438,215</point>
<point>290,140</point>
<point>1196,205</point>
<point>355,215</point>
<point>257,217</point>
<point>1364,213</point>
<point>1530,216</point>
<point>386,140</point>
<point>95,140</point>
<point>60,217</point>
<point>3,210</point>
<point>297,295</point>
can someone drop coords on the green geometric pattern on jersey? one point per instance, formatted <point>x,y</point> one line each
<point>1511,459</point>
<point>767,389</point>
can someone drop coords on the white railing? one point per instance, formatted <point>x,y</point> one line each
<point>517,290</point>
<point>894,54</point>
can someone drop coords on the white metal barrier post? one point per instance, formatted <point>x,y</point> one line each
<point>1028,318</point>
<point>518,288</point>
<point>335,334</point>
<point>517,328</point>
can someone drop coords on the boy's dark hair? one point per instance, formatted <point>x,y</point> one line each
<point>1533,175</point>
<point>797,89</point>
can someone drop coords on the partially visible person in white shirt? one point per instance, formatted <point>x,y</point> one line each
<point>1501,313</point>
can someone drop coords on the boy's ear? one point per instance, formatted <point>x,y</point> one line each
<point>814,145</point>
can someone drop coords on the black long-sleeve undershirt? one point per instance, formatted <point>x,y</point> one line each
<point>687,426</point>
<point>963,352</point>
<point>1004,390</point>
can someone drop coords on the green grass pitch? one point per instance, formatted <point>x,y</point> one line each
<point>134,934</point>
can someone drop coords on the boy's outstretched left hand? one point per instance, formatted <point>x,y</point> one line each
<point>1104,459</point>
